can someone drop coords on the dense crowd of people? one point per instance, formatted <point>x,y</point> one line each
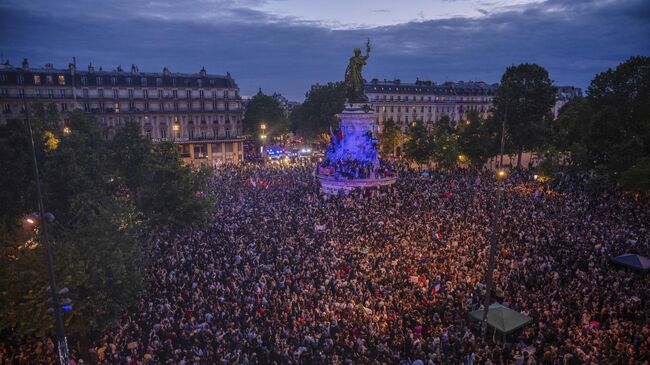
<point>355,169</point>
<point>285,275</point>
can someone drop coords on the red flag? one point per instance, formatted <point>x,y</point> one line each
<point>340,134</point>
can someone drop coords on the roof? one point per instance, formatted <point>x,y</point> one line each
<point>431,88</point>
<point>119,77</point>
<point>502,318</point>
<point>633,261</point>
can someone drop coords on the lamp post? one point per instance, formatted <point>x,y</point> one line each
<point>263,138</point>
<point>62,342</point>
<point>501,175</point>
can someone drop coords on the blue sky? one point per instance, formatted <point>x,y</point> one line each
<point>288,45</point>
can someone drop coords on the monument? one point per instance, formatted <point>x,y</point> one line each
<point>352,160</point>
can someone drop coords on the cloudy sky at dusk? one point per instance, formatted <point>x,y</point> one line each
<point>287,45</point>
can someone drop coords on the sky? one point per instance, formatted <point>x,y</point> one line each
<point>286,46</point>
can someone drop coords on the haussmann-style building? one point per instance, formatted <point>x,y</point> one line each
<point>199,112</point>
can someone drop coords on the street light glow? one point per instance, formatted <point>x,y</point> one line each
<point>30,221</point>
<point>66,131</point>
<point>263,126</point>
<point>176,127</point>
<point>501,174</point>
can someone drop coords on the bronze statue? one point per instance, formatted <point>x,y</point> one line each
<point>353,77</point>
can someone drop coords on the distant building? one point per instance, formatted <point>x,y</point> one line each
<point>284,102</point>
<point>199,112</point>
<point>564,94</point>
<point>427,101</point>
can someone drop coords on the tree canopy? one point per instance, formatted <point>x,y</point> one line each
<point>265,109</point>
<point>318,113</point>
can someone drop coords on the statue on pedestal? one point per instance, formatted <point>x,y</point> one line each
<point>353,77</point>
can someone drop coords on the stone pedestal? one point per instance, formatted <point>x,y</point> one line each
<point>357,123</point>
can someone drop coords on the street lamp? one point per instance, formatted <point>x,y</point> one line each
<point>67,131</point>
<point>62,342</point>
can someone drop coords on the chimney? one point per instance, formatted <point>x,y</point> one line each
<point>203,72</point>
<point>166,72</point>
<point>119,68</point>
<point>25,65</point>
<point>72,68</point>
<point>134,69</point>
<point>91,69</point>
<point>49,66</point>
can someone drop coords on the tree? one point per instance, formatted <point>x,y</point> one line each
<point>265,109</point>
<point>390,137</point>
<point>475,140</point>
<point>524,98</point>
<point>607,134</point>
<point>445,148</point>
<point>127,153</point>
<point>418,147</point>
<point>318,113</point>
<point>94,236</point>
<point>170,193</point>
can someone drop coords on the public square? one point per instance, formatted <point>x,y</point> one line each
<point>284,274</point>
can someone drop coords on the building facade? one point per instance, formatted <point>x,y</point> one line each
<point>427,101</point>
<point>200,112</point>
<point>563,95</point>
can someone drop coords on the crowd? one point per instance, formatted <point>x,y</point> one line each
<point>284,275</point>
<point>355,169</point>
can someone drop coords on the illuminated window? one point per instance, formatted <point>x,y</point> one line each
<point>117,107</point>
<point>37,79</point>
<point>61,80</point>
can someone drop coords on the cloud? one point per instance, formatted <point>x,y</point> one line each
<point>483,11</point>
<point>573,40</point>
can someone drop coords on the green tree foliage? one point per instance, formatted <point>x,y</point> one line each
<point>390,137</point>
<point>318,113</point>
<point>103,194</point>
<point>608,132</point>
<point>445,148</point>
<point>418,147</point>
<point>265,109</point>
<point>475,140</point>
<point>524,97</point>
<point>169,193</point>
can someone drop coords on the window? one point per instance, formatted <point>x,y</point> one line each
<point>173,82</point>
<point>21,79</point>
<point>116,94</point>
<point>114,80</point>
<point>215,132</point>
<point>143,81</point>
<point>50,93</point>
<point>146,107</point>
<point>176,107</point>
<point>130,93</point>
<point>49,80</point>
<point>7,108</point>
<point>4,92</point>
<point>3,77</point>
<point>175,93</point>
<point>62,93</point>
<point>102,107</point>
<point>202,106</point>
<point>117,107</point>
<point>145,93</point>
<point>37,92</point>
<point>99,80</point>
<point>37,79</point>
<point>189,94</point>
<point>161,107</point>
<point>84,80</point>
<point>85,93</point>
<point>86,107</point>
<point>100,92</point>
<point>158,81</point>
<point>190,133</point>
<point>163,132</point>
<point>128,81</point>
<point>61,80</point>
<point>228,135</point>
<point>131,106</point>
<point>214,95</point>
<point>160,94</point>
<point>201,94</point>
<point>199,82</point>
